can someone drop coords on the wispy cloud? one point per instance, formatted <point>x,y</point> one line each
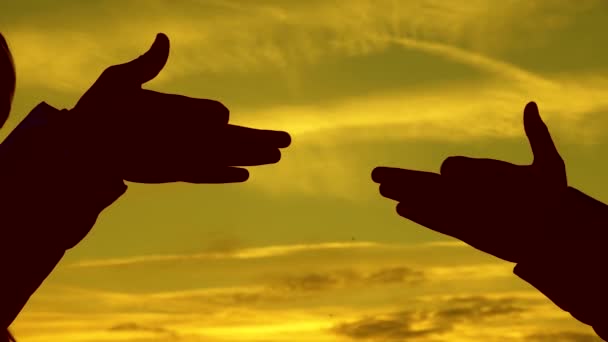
<point>480,271</point>
<point>246,253</point>
<point>261,252</point>
<point>302,282</point>
<point>317,163</point>
<point>239,36</point>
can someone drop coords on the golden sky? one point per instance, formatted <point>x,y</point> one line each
<point>307,250</point>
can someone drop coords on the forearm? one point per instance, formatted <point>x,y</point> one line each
<point>23,270</point>
<point>50,199</point>
<point>570,268</point>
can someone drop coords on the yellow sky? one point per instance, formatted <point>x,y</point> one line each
<point>307,250</point>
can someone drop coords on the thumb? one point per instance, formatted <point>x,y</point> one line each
<point>146,67</point>
<point>546,157</point>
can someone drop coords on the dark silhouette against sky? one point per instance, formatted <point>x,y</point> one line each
<point>60,174</point>
<point>526,214</point>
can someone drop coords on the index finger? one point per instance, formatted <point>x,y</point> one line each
<point>239,135</point>
<point>425,198</point>
<point>409,185</point>
<point>384,173</point>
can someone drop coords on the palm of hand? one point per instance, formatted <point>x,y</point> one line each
<point>497,207</point>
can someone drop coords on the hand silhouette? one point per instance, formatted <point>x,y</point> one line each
<point>495,206</point>
<point>150,137</point>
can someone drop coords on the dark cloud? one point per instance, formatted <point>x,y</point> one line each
<point>479,307</point>
<point>236,298</point>
<point>322,281</point>
<point>397,275</point>
<point>131,326</point>
<point>397,326</point>
<point>563,336</point>
<point>312,282</point>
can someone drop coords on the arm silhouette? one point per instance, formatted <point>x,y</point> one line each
<point>65,167</point>
<point>526,214</point>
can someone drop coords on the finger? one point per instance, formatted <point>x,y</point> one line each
<point>196,175</point>
<point>178,111</point>
<point>544,150</point>
<point>248,156</point>
<point>144,68</point>
<point>152,162</point>
<point>384,174</point>
<point>428,200</point>
<point>410,185</point>
<point>239,135</point>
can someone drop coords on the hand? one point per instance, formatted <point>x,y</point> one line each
<point>149,137</point>
<point>495,206</point>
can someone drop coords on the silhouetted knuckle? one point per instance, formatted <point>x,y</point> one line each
<point>220,109</point>
<point>276,156</point>
<point>401,209</point>
<point>448,165</point>
<point>386,190</point>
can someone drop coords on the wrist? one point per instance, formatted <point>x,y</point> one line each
<point>56,190</point>
<point>567,266</point>
<point>580,220</point>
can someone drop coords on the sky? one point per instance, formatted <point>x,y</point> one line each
<point>307,250</point>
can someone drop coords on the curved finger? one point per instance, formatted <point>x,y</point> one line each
<point>142,69</point>
<point>541,143</point>
<point>547,160</point>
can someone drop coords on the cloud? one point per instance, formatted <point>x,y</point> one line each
<point>472,308</point>
<point>449,243</point>
<point>225,36</point>
<point>330,153</point>
<point>562,336</point>
<point>470,111</point>
<point>471,272</point>
<point>260,312</point>
<point>131,326</point>
<point>398,275</point>
<point>349,278</point>
<point>397,327</point>
<point>231,253</point>
<point>426,323</point>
